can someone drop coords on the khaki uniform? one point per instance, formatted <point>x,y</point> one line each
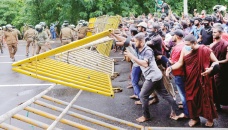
<point>11,40</point>
<point>75,33</point>
<point>24,29</point>
<point>66,35</point>
<point>41,38</point>
<point>49,37</point>
<point>1,40</point>
<point>29,36</point>
<point>82,32</point>
<point>17,31</point>
<point>48,32</point>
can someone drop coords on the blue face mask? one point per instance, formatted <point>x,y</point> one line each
<point>188,48</point>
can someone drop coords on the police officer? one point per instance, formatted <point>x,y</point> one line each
<point>17,31</point>
<point>41,38</point>
<point>83,31</point>
<point>1,39</point>
<point>24,29</point>
<point>29,36</point>
<point>66,34</point>
<point>11,39</point>
<point>73,27</point>
<point>45,28</point>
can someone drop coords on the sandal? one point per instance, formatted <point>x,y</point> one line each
<point>142,119</point>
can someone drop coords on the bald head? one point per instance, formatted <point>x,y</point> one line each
<point>190,38</point>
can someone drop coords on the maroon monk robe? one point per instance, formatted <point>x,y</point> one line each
<point>199,94</point>
<point>221,79</point>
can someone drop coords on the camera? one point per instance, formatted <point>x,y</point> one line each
<point>219,8</point>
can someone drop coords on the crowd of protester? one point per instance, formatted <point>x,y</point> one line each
<point>192,51</point>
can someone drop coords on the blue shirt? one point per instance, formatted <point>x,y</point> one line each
<point>196,31</point>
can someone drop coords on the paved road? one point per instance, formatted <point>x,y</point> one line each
<point>120,106</point>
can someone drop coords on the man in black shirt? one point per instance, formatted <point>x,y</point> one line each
<point>205,36</point>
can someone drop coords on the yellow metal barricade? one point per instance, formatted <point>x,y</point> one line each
<point>112,22</point>
<point>91,26</point>
<point>44,68</point>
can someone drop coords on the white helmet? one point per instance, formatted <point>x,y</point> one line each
<point>8,26</point>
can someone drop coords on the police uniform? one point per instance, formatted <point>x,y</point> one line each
<point>41,38</point>
<point>66,35</point>
<point>24,29</point>
<point>17,31</point>
<point>29,36</point>
<point>82,32</point>
<point>11,40</point>
<point>49,36</point>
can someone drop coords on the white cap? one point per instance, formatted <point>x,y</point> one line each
<point>142,24</point>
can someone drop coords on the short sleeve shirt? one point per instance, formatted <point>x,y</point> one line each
<point>152,72</point>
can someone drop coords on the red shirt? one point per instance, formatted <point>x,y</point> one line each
<point>175,55</point>
<point>225,36</point>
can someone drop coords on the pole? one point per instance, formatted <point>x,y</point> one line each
<point>185,7</point>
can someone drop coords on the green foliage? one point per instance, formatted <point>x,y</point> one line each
<point>18,12</point>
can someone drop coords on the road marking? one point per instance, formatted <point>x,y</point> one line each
<point>26,85</point>
<point>6,62</point>
<point>15,56</point>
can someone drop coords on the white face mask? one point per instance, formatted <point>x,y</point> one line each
<point>188,48</point>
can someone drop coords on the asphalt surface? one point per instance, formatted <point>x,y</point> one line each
<point>121,106</point>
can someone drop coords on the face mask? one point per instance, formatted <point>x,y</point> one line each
<point>188,48</point>
<point>197,24</point>
<point>206,25</point>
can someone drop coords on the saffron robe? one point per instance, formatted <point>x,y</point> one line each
<point>221,79</point>
<point>199,92</point>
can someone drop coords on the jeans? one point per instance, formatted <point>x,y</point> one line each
<point>179,80</point>
<point>135,77</point>
<point>53,35</point>
<point>148,88</point>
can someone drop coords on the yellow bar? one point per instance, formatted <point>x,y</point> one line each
<point>31,121</point>
<point>89,64</point>
<point>73,114</point>
<point>8,127</point>
<point>91,57</point>
<point>74,70</point>
<point>64,48</point>
<point>62,82</point>
<point>64,78</point>
<point>69,66</point>
<point>91,79</point>
<point>52,117</point>
<point>65,67</point>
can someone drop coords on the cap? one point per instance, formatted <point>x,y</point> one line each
<point>208,18</point>
<point>142,24</point>
<point>179,33</point>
